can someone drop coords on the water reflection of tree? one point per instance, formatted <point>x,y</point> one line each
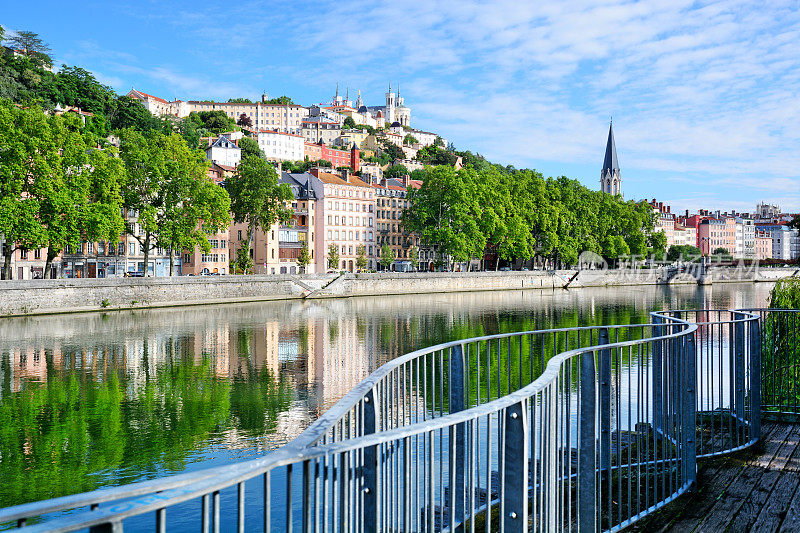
<point>81,430</point>
<point>257,397</point>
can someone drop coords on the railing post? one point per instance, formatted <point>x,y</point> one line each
<point>458,403</point>
<point>515,466</point>
<point>108,527</point>
<point>689,415</point>
<point>658,398</point>
<point>587,460</point>
<point>308,497</point>
<point>755,378</point>
<point>605,404</point>
<point>738,344</point>
<point>369,484</point>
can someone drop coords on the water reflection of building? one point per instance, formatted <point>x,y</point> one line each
<point>318,350</point>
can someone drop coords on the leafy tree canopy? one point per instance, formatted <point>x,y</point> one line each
<point>281,100</point>
<point>409,139</point>
<point>395,171</point>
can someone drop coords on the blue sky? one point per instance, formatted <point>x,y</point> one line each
<point>704,95</point>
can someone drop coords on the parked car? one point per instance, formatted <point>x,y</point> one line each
<point>505,269</point>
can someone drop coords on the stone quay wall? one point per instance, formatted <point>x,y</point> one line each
<point>36,297</point>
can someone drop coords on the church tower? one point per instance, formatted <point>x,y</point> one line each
<point>611,177</point>
<point>390,105</point>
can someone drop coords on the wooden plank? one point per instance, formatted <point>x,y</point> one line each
<point>769,492</point>
<point>732,498</point>
<point>710,486</point>
<point>714,476</point>
<point>791,521</point>
<point>772,515</point>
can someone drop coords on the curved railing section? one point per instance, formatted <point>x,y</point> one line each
<point>587,428</point>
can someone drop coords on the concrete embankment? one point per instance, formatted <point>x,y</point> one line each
<point>76,295</point>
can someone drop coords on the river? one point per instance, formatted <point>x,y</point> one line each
<point>99,399</point>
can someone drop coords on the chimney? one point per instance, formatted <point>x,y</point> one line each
<point>669,209</point>
<point>687,213</point>
<point>346,174</point>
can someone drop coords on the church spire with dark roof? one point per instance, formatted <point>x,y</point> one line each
<point>611,175</point>
<point>610,162</point>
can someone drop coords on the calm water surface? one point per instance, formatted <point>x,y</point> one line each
<point>102,399</point>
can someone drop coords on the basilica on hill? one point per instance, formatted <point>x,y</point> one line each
<point>393,111</point>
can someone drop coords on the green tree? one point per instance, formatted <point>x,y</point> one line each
<point>281,100</point>
<point>244,263</point>
<point>721,254</point>
<point>438,142</point>
<point>257,198</point>
<point>196,207</point>
<point>304,259</point>
<point>333,256</point>
<point>240,101</point>
<point>413,256</point>
<point>349,123</point>
<point>30,44</point>
<point>27,155</point>
<point>395,171</point>
<point>213,122</point>
<point>387,256</point>
<point>128,112</point>
<point>361,257</point>
<point>391,150</point>
<point>445,213</point>
<point>169,192</point>
<point>84,198</point>
<point>250,148</point>
<point>409,139</point>
<point>75,86</point>
<point>683,253</point>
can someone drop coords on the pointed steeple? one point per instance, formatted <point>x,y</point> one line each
<point>610,161</point>
<point>336,98</point>
<point>611,176</point>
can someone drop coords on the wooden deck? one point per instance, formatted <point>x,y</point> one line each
<point>755,490</point>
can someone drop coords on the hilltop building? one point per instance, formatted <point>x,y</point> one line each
<point>394,110</point>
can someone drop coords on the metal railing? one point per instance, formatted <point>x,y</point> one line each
<point>587,428</point>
